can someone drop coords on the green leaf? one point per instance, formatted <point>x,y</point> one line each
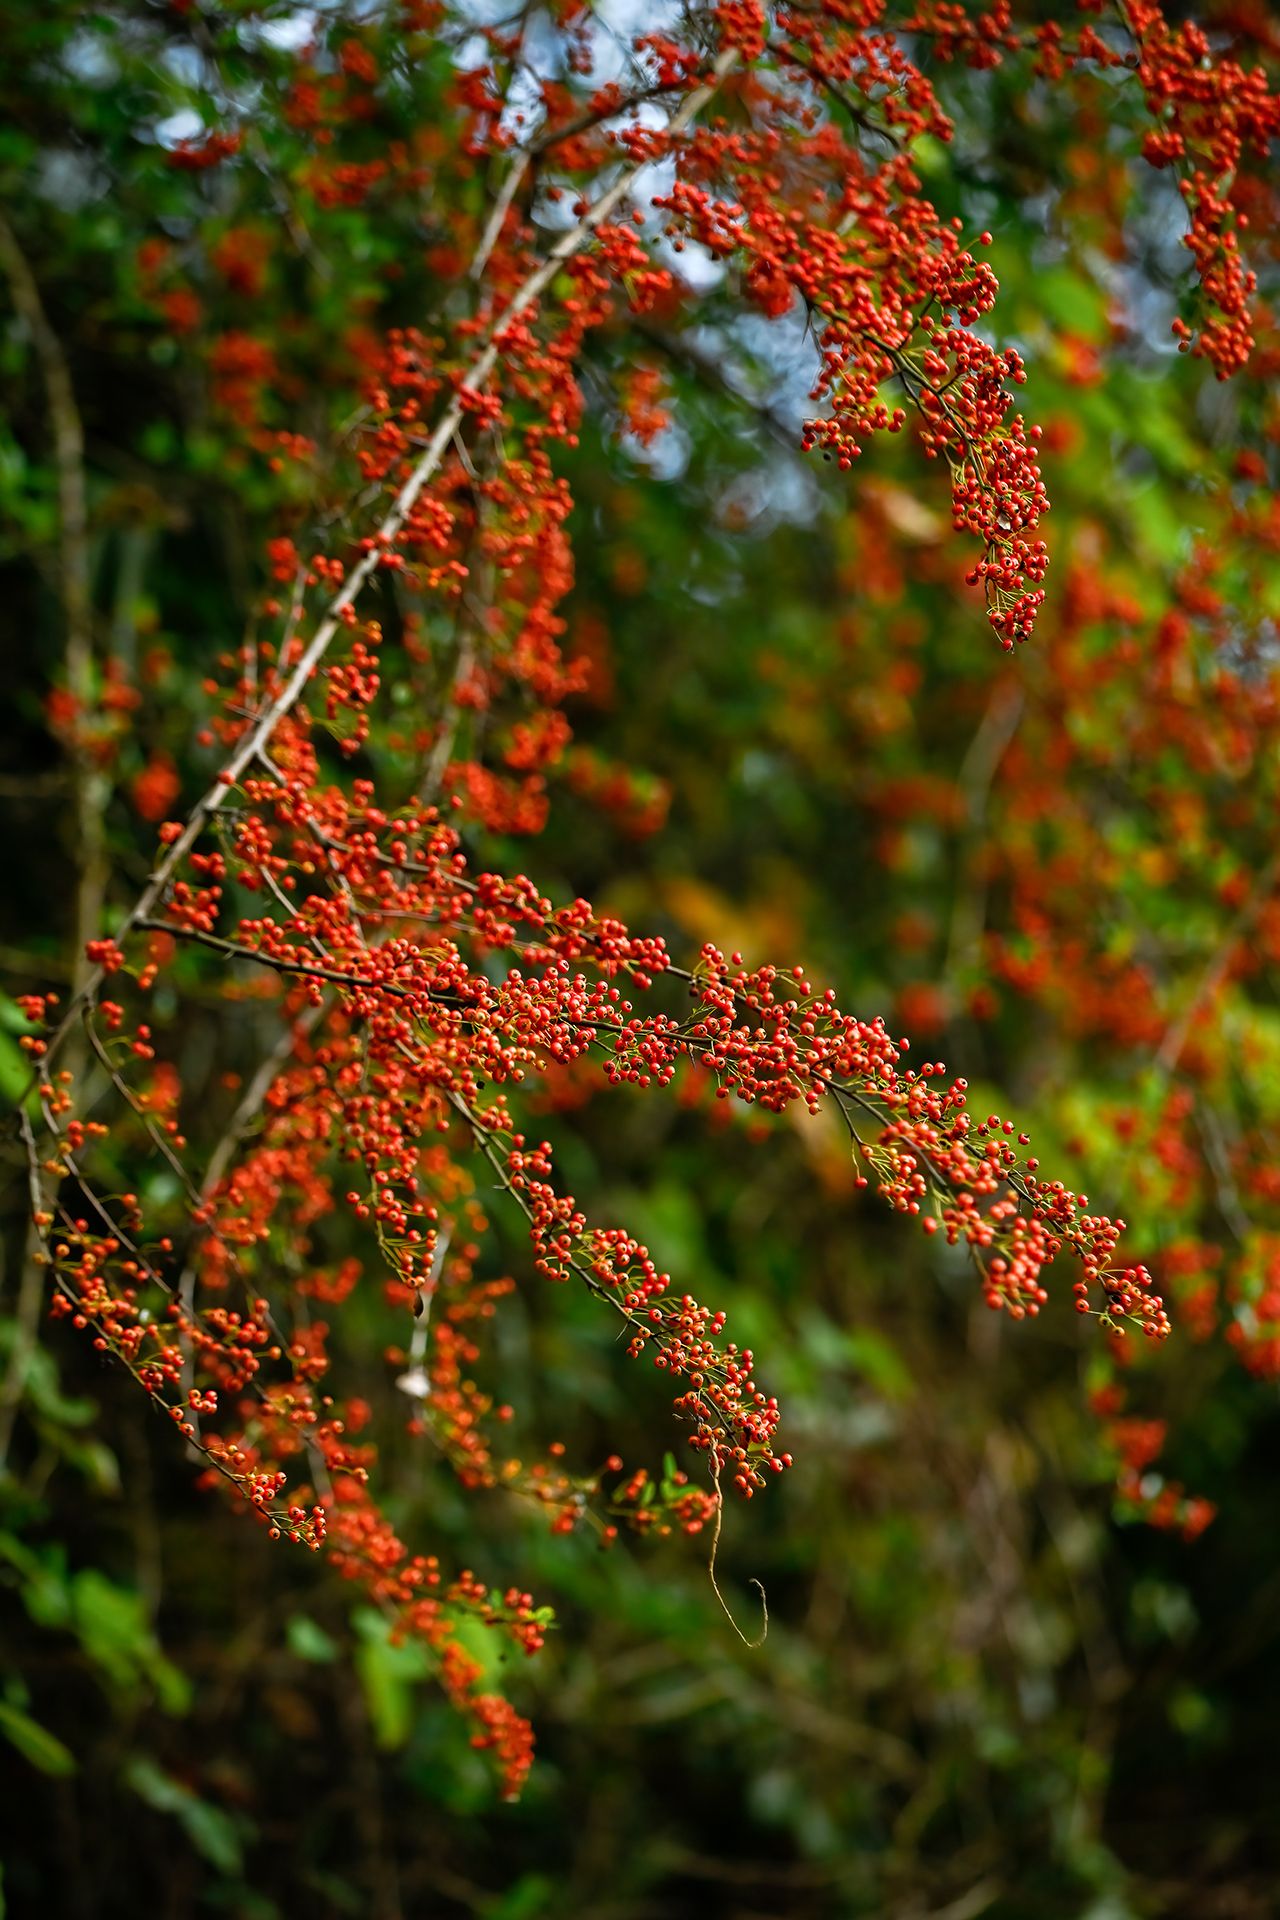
<point>15,1067</point>
<point>308,1641</point>
<point>46,1592</point>
<point>880,1361</point>
<point>485,1645</point>
<point>388,1674</point>
<point>532,1894</point>
<point>113,1629</point>
<point>42,1385</point>
<point>112,1626</point>
<point>92,1458</point>
<point>35,1743</point>
<point>1072,301</point>
<point>212,1832</point>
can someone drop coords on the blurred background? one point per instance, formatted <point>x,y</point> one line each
<point>989,1686</point>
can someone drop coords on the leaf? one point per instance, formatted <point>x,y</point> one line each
<point>308,1641</point>
<point>1076,304</point>
<point>114,1632</point>
<point>15,1067</point>
<point>388,1674</point>
<point>93,1458</point>
<point>532,1894</point>
<point>35,1743</point>
<point>212,1832</point>
<point>111,1625</point>
<point>42,1385</point>
<point>883,1366</point>
<point>46,1593</point>
<point>485,1645</point>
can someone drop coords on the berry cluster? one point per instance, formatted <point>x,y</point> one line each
<point>411,623</point>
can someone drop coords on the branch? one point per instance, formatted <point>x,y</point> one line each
<point>255,739</point>
<point>88,788</point>
<point>501,207</point>
<point>860,117</point>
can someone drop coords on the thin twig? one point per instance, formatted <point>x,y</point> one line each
<point>859,115</point>
<point>88,788</point>
<point>715,1585</point>
<point>501,207</point>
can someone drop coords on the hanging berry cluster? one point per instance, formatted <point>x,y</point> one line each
<point>418,997</point>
